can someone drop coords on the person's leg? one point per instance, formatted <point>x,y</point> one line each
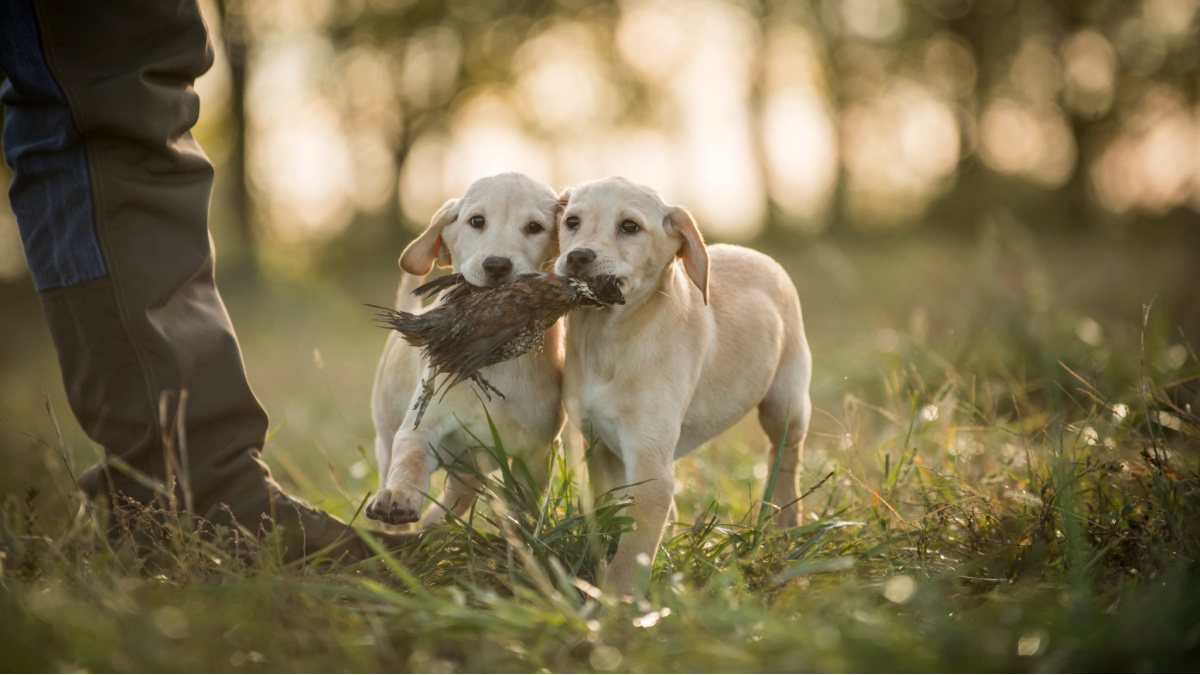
<point>111,194</point>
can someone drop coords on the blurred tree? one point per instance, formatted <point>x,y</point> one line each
<point>1033,93</point>
<point>234,35</point>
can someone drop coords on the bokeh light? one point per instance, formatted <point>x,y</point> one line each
<point>748,115</point>
<point>1151,163</point>
<point>799,135</point>
<point>901,149</point>
<point>1026,141</point>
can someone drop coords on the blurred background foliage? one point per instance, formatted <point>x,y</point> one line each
<point>334,122</point>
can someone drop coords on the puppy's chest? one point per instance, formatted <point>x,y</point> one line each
<point>601,403</point>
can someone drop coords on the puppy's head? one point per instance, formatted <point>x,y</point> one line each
<point>502,226</point>
<point>614,226</point>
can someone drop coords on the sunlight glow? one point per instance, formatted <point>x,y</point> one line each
<point>430,68</point>
<point>1035,74</point>
<point>486,138</point>
<point>720,178</point>
<point>950,64</point>
<point>1032,143</point>
<point>1091,67</point>
<point>643,155</point>
<point>423,179</point>
<point>800,142</point>
<point>737,109</point>
<point>650,36</point>
<point>215,86</point>
<point>298,157</point>
<point>564,55</point>
<point>901,150</point>
<point>289,16</point>
<point>798,134</point>
<point>1151,165</point>
<point>373,124</point>
<point>1171,19</point>
<point>322,125</point>
<point>873,19</point>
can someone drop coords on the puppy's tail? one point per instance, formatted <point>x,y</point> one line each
<point>405,300</point>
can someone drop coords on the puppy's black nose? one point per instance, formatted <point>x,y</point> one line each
<point>496,267</point>
<point>580,257</point>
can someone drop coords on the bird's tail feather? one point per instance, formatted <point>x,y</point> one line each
<point>409,325</point>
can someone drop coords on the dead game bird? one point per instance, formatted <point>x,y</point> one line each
<point>475,327</point>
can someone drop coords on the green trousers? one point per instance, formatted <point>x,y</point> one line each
<point>111,193</point>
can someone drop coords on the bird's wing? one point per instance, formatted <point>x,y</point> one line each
<point>480,351</point>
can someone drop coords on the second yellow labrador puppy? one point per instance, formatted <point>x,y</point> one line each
<point>706,334</point>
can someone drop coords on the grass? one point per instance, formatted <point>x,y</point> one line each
<point>1002,472</point>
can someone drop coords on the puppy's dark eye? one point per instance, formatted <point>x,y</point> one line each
<point>629,227</point>
<point>572,222</point>
<point>533,228</point>
<point>477,222</point>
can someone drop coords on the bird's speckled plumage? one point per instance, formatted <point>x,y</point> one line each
<point>476,327</point>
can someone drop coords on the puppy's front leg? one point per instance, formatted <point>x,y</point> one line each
<point>407,481</point>
<point>650,473</point>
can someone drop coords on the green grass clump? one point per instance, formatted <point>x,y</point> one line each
<point>1008,496</point>
<point>1073,549</point>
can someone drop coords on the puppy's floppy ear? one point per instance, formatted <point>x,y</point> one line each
<point>556,209</point>
<point>692,250</point>
<point>419,256</point>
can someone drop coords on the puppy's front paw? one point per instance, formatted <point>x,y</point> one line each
<point>390,506</point>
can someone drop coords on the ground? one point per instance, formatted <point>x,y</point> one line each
<point>1002,470</point>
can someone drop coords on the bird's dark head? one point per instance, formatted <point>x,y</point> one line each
<point>602,289</point>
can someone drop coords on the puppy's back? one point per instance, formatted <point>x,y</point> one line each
<point>743,276</point>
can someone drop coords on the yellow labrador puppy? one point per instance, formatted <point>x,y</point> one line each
<point>502,226</point>
<point>706,334</point>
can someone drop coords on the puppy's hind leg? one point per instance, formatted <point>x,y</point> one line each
<point>786,409</point>
<point>458,498</point>
<point>606,470</point>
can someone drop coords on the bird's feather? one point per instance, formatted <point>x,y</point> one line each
<point>455,283</point>
<point>474,327</point>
